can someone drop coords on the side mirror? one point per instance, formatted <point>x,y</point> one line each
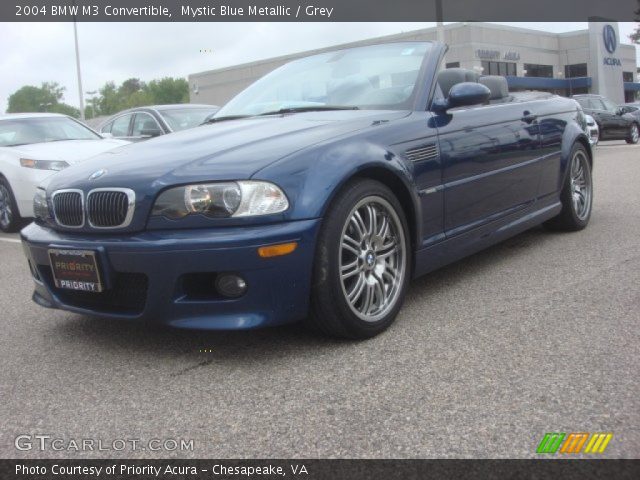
<point>462,95</point>
<point>107,135</point>
<point>151,132</point>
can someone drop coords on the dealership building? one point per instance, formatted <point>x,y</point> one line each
<point>583,61</point>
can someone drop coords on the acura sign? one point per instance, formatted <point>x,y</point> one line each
<point>609,38</point>
<point>610,41</point>
<point>605,60</point>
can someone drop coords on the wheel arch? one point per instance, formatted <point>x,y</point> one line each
<point>397,185</point>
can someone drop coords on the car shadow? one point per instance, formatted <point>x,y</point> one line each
<point>196,348</point>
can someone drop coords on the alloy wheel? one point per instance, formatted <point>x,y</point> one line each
<point>373,258</point>
<point>581,189</point>
<point>635,135</point>
<point>6,213</point>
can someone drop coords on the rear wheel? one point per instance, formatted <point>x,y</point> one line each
<point>10,220</point>
<point>577,193</point>
<point>361,268</point>
<point>634,134</point>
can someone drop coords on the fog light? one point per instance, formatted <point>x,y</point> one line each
<point>231,285</point>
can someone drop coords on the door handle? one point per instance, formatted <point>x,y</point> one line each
<point>529,117</point>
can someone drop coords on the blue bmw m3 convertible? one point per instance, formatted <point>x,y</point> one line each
<point>315,194</point>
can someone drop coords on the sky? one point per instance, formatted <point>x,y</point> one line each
<point>44,52</point>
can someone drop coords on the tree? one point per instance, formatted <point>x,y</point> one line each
<point>109,102</point>
<point>46,98</point>
<point>64,109</point>
<point>169,90</point>
<point>635,36</point>
<point>130,86</point>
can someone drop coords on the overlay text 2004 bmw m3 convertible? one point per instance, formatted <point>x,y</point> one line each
<point>317,193</point>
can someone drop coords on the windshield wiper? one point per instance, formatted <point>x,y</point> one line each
<point>309,108</point>
<point>222,119</point>
<point>66,139</point>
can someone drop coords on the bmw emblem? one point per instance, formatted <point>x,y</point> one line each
<point>609,38</point>
<point>97,174</point>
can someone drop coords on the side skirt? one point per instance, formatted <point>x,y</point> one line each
<point>468,243</point>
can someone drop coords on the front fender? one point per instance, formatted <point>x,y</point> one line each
<point>313,178</point>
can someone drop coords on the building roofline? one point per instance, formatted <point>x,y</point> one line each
<point>390,38</point>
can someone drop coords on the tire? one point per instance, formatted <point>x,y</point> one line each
<point>10,220</point>
<point>634,134</point>
<point>357,293</point>
<point>577,193</point>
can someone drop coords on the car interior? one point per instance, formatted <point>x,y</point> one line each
<point>495,83</point>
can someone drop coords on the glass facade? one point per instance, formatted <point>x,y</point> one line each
<point>534,70</point>
<point>575,70</point>
<point>499,68</point>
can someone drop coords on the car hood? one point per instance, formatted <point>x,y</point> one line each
<point>71,151</point>
<point>229,150</point>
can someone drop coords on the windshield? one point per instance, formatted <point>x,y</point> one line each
<point>374,77</point>
<point>24,131</point>
<point>183,118</point>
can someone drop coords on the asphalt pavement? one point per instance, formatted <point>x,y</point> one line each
<point>538,334</point>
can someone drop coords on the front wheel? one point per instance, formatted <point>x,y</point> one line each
<point>577,193</point>
<point>10,220</point>
<point>634,134</point>
<point>361,269</point>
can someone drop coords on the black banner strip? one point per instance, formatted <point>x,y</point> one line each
<point>315,10</point>
<point>318,469</point>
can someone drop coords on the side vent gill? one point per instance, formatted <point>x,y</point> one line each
<point>422,153</point>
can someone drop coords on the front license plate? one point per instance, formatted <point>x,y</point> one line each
<point>75,270</point>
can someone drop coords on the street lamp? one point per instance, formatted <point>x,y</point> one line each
<point>75,36</point>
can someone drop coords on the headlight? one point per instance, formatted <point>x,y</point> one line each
<point>56,165</point>
<point>220,200</point>
<point>40,206</point>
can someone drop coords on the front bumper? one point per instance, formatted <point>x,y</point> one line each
<point>145,274</point>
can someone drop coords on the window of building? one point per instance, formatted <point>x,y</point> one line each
<point>575,70</point>
<point>534,70</point>
<point>453,65</point>
<point>499,68</point>
<point>627,76</point>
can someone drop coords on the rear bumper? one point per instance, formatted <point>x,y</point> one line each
<point>145,274</point>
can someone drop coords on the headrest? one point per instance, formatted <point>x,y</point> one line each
<point>452,76</point>
<point>497,85</point>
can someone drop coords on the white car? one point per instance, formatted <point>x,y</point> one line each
<point>592,130</point>
<point>33,146</point>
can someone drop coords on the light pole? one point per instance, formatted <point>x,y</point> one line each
<point>439,23</point>
<point>75,36</point>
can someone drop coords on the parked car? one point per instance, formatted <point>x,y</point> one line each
<point>142,123</point>
<point>317,193</point>
<point>592,130</point>
<point>33,146</point>
<point>632,109</point>
<point>613,122</point>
